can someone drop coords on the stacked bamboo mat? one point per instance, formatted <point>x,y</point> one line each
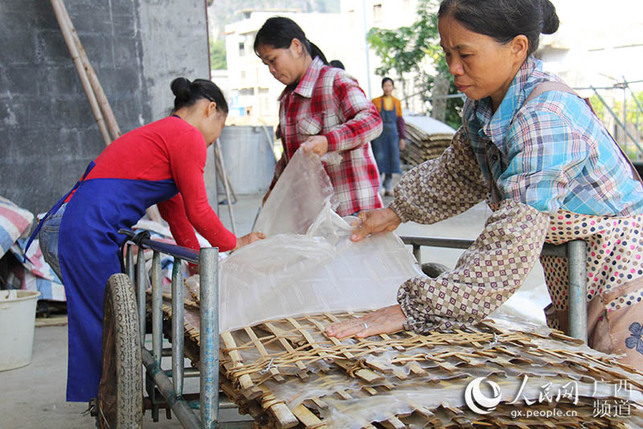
<point>422,147</point>
<point>287,373</point>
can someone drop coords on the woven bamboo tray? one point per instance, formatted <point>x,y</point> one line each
<point>287,373</point>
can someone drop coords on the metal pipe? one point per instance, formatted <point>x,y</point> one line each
<point>417,252</point>
<point>129,265</point>
<point>218,156</point>
<point>141,287</point>
<point>181,408</point>
<point>209,335</point>
<point>456,243</point>
<point>157,308</point>
<point>577,256</point>
<point>625,130</point>
<point>178,346</point>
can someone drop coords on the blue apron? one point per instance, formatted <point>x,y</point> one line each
<point>386,147</point>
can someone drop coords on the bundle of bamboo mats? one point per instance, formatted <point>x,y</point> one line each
<point>422,146</point>
<point>287,373</point>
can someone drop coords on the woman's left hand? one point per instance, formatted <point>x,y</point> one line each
<point>386,320</point>
<point>315,144</point>
<point>402,144</point>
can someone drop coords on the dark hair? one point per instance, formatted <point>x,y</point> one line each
<point>387,79</point>
<point>187,93</point>
<point>279,33</point>
<point>504,19</point>
<point>338,64</point>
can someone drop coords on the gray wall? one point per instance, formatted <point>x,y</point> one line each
<point>48,134</point>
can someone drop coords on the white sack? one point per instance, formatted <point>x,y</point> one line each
<point>292,274</point>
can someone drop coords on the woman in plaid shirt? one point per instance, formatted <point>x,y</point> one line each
<point>322,109</point>
<point>547,167</point>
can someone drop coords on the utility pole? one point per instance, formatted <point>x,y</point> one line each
<point>368,66</point>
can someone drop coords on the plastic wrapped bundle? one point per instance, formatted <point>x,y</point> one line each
<point>293,273</point>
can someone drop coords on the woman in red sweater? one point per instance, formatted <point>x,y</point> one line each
<point>160,163</point>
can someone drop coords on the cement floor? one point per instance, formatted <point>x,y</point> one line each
<point>34,396</point>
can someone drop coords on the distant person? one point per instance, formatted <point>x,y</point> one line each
<point>322,109</point>
<point>548,169</point>
<point>338,64</point>
<point>388,145</point>
<point>159,163</point>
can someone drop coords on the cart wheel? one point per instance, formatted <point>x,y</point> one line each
<point>433,269</point>
<point>120,393</point>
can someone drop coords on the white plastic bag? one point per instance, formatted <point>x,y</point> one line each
<point>295,272</point>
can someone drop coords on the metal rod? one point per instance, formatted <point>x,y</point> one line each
<point>129,265</point>
<point>178,339</point>
<point>417,252</point>
<point>577,256</point>
<point>218,156</point>
<point>209,335</point>
<point>157,308</point>
<point>181,408</point>
<point>171,249</point>
<point>456,243</point>
<point>141,287</point>
<point>620,124</point>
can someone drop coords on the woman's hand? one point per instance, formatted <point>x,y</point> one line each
<point>402,144</point>
<point>316,144</point>
<point>249,238</point>
<point>372,221</point>
<point>386,320</point>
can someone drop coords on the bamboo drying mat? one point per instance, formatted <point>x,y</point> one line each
<point>287,373</point>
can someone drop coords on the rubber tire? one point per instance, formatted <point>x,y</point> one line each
<point>433,269</point>
<point>120,392</point>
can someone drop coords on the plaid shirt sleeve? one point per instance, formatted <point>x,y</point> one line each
<point>441,188</point>
<point>486,274</point>
<point>360,121</point>
<point>544,156</point>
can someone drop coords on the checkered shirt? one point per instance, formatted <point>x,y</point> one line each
<point>551,153</point>
<point>329,102</point>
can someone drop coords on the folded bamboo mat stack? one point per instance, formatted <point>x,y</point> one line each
<point>421,146</point>
<point>287,373</point>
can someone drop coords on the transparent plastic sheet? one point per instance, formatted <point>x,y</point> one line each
<point>300,194</point>
<point>308,264</point>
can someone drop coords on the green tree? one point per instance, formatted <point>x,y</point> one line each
<point>217,55</point>
<point>411,49</point>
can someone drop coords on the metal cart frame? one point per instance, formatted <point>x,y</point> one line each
<point>163,392</point>
<point>576,253</point>
<point>155,377</point>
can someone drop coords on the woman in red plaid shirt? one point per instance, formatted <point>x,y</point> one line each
<point>322,109</point>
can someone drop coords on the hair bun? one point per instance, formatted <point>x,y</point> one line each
<point>181,88</point>
<point>550,18</point>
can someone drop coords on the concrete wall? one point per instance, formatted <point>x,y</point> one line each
<point>48,134</point>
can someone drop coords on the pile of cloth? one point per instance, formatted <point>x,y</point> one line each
<point>16,272</point>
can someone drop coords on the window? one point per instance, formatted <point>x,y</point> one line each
<point>242,49</point>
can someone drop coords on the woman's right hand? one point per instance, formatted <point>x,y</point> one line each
<point>373,221</point>
<point>249,238</point>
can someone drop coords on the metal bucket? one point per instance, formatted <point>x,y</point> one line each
<point>249,159</point>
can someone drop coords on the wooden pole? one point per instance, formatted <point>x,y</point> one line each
<point>59,10</point>
<point>93,89</point>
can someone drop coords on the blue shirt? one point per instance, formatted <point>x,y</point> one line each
<point>551,153</point>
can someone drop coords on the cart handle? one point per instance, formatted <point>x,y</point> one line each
<point>142,239</point>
